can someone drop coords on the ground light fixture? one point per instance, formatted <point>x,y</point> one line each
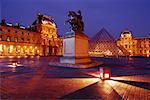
<point>14,64</point>
<point>104,73</point>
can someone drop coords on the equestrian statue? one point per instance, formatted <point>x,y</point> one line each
<point>75,21</point>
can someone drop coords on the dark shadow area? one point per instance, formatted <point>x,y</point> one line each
<point>93,92</point>
<point>128,74</point>
<point>18,70</point>
<point>145,85</point>
<point>67,74</point>
<point>62,72</point>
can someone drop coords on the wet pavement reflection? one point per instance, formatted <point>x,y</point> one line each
<point>33,78</point>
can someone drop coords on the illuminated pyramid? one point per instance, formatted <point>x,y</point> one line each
<point>103,44</point>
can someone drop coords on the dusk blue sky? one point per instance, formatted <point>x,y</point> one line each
<point>114,15</point>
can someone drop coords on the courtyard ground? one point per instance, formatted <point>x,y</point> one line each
<point>130,79</point>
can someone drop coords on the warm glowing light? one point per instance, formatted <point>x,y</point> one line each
<point>35,47</point>
<point>11,48</point>
<point>14,64</point>
<point>30,46</point>
<point>120,51</point>
<point>18,46</point>
<point>45,22</point>
<point>4,46</point>
<point>18,56</point>
<point>106,75</point>
<point>25,47</point>
<point>1,49</point>
<point>108,52</point>
<point>101,74</point>
<point>147,51</point>
<point>10,57</point>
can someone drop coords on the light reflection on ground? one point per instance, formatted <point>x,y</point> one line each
<point>35,79</point>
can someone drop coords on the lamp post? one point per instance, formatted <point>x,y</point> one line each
<point>104,73</point>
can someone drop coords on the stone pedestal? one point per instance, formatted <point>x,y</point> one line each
<point>75,52</point>
<point>75,48</point>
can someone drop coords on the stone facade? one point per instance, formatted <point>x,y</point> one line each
<point>19,42</point>
<point>135,46</point>
<point>39,39</point>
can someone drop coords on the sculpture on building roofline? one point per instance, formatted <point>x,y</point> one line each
<point>75,21</point>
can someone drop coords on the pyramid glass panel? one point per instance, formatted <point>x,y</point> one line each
<point>103,44</point>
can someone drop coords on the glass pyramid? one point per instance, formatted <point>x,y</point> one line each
<point>103,44</point>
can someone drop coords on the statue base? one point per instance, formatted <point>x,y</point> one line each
<point>75,52</point>
<point>75,60</point>
<point>75,47</point>
<point>83,65</point>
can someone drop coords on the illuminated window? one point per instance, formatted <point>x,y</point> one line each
<point>130,51</point>
<point>11,49</point>
<point>1,49</point>
<point>8,38</point>
<point>147,51</point>
<point>16,39</point>
<point>18,49</point>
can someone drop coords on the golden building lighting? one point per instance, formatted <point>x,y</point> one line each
<point>135,46</point>
<point>38,39</point>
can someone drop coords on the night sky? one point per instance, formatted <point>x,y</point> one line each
<point>114,15</point>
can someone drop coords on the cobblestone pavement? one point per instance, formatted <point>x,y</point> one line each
<point>34,79</point>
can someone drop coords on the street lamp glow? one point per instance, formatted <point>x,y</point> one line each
<point>14,64</point>
<point>104,73</point>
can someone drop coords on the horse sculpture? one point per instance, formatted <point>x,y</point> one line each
<point>75,21</point>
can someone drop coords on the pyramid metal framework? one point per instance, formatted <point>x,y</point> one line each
<point>103,44</point>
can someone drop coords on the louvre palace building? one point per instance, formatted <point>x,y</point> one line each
<point>40,38</point>
<point>134,46</point>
